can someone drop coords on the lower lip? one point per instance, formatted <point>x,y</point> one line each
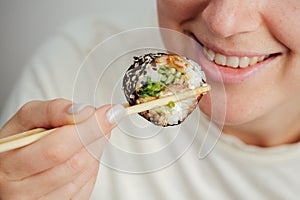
<point>228,75</point>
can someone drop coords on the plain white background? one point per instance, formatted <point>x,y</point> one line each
<point>25,25</point>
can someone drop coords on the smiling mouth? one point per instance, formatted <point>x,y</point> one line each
<point>232,61</point>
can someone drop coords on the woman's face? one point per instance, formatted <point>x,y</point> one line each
<point>254,45</point>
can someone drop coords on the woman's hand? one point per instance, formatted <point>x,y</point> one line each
<point>59,166</point>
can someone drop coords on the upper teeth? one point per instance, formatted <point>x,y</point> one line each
<point>232,61</point>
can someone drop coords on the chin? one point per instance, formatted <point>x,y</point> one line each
<point>225,112</point>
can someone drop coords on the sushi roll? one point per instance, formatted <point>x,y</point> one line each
<point>156,75</point>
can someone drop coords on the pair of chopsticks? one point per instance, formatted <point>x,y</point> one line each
<point>28,137</point>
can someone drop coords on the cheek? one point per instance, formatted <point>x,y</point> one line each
<point>282,19</point>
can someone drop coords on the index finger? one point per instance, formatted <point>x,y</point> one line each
<point>40,114</point>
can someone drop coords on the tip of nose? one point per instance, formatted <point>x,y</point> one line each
<point>228,22</point>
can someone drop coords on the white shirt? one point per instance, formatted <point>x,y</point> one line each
<point>149,162</point>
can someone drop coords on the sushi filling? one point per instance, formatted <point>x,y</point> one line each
<point>151,89</point>
<point>166,75</point>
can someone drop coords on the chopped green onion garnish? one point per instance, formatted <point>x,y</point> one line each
<point>151,89</point>
<point>171,104</point>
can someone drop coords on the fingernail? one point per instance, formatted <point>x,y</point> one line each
<point>115,113</point>
<point>77,107</point>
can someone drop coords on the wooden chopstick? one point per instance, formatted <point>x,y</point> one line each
<point>28,137</point>
<point>165,100</point>
<point>22,139</point>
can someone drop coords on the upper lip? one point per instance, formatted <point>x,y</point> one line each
<point>228,52</point>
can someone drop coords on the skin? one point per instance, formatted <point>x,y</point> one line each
<point>67,171</point>
<point>264,109</point>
